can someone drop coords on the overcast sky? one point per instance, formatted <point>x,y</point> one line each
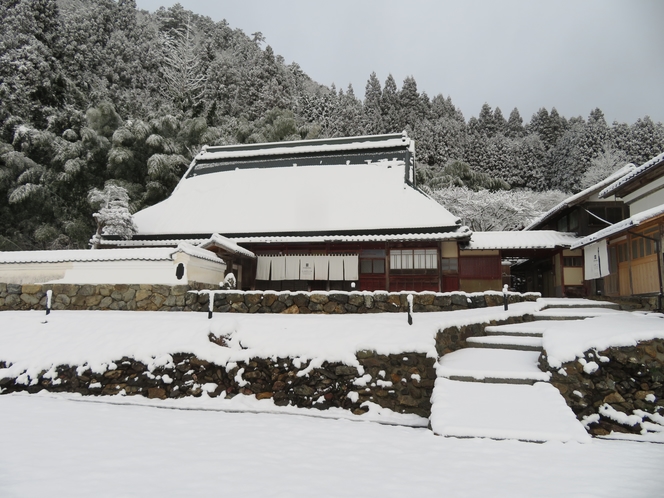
<point>571,55</point>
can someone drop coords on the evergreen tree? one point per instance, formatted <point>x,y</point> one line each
<point>389,104</point>
<point>514,127</point>
<point>372,106</point>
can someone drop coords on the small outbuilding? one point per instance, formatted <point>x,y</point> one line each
<point>163,265</point>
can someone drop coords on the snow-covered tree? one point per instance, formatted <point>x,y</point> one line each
<point>185,77</point>
<point>113,216</point>
<point>604,164</point>
<point>484,210</point>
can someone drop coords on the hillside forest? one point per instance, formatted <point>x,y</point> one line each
<point>97,97</point>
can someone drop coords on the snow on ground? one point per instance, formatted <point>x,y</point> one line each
<point>492,363</point>
<point>503,411</point>
<point>61,448</point>
<point>100,337</point>
<point>567,340</point>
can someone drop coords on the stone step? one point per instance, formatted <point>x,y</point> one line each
<point>506,342</point>
<point>572,313</point>
<point>526,413</point>
<point>492,366</point>
<point>528,329</point>
<point>576,303</point>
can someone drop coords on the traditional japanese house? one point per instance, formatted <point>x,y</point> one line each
<point>627,255</point>
<point>333,214</point>
<point>490,260</point>
<point>561,272</point>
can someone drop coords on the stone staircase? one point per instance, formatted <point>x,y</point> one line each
<point>494,387</point>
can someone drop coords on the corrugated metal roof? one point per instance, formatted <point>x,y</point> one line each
<point>536,239</point>
<point>635,174</point>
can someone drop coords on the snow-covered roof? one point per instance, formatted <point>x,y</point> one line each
<point>195,252</point>
<point>633,176</point>
<point>335,196</point>
<point>304,147</point>
<point>581,196</point>
<point>461,233</point>
<point>537,239</point>
<point>616,228</point>
<point>227,245</point>
<point>90,255</point>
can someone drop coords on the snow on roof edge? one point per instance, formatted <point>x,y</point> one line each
<point>535,239</point>
<point>581,196</point>
<point>621,226</point>
<point>86,255</point>
<point>303,146</point>
<point>633,175</point>
<point>226,243</point>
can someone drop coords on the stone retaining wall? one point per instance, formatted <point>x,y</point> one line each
<point>195,297</point>
<point>615,389</point>
<point>403,382</point>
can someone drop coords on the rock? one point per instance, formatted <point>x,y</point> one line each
<point>345,370</point>
<point>460,300</point>
<point>316,298</point>
<point>356,299</point>
<point>278,307</point>
<point>304,390</point>
<point>156,392</point>
<point>14,289</point>
<point>31,288</point>
<point>407,400</point>
<point>29,299</point>
<point>292,310</point>
<point>252,299</point>
<point>264,395</point>
<point>106,302</point>
<point>330,307</point>
<point>301,300</point>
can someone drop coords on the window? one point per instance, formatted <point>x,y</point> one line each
<point>573,220</point>
<point>449,265</point>
<point>372,261</point>
<point>562,224</point>
<point>642,246</point>
<point>573,261</point>
<point>413,259</point>
<point>622,252</point>
<point>612,214</point>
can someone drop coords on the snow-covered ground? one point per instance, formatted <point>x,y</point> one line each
<point>54,447</point>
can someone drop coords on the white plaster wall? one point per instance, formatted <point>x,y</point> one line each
<point>114,272</point>
<point>121,272</point>
<point>32,273</point>
<point>647,197</point>
<point>199,270</point>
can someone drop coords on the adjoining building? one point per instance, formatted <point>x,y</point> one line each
<point>627,255</point>
<point>584,213</point>
<point>162,265</point>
